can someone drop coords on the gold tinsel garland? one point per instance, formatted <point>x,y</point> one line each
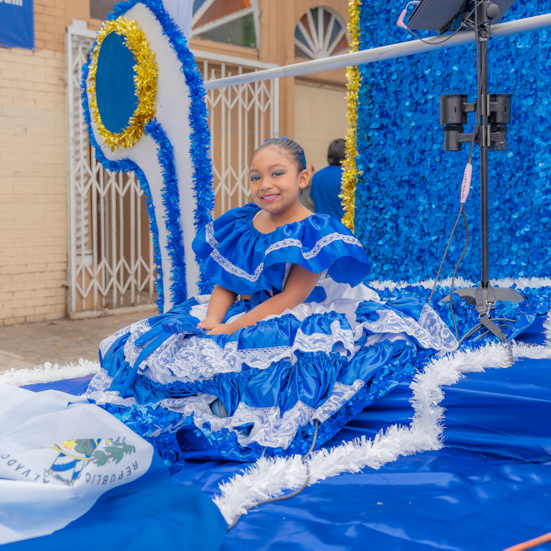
<point>145,81</point>
<point>350,173</point>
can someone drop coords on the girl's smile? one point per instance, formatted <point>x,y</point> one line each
<point>270,198</point>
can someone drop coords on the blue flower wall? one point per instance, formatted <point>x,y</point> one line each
<point>407,195</point>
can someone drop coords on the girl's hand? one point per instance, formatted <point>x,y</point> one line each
<point>221,329</point>
<point>209,323</point>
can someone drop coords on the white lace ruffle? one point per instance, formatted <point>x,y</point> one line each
<point>209,235</point>
<point>435,326</point>
<point>191,358</point>
<point>270,428</point>
<point>320,342</point>
<point>231,268</point>
<point>98,391</point>
<point>318,246</point>
<point>106,344</point>
<point>340,395</point>
<point>429,332</point>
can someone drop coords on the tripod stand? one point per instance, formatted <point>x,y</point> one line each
<point>493,111</point>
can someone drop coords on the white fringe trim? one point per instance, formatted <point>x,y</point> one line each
<point>269,478</point>
<point>521,283</point>
<point>48,373</point>
<point>427,284</point>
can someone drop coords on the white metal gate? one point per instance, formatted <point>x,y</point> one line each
<point>240,118</point>
<point>111,264</point>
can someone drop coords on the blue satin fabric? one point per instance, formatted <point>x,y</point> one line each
<point>310,380</point>
<point>404,306</point>
<point>239,244</point>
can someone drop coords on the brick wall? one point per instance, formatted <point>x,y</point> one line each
<point>33,169</point>
<point>33,185</point>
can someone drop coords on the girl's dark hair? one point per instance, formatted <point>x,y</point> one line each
<point>292,148</point>
<point>336,152</point>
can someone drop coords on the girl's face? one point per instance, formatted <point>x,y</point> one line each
<point>275,180</point>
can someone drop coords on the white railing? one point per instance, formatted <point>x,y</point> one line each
<point>393,51</point>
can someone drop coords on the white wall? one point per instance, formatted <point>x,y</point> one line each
<point>320,118</point>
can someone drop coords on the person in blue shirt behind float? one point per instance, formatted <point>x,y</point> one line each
<point>326,183</point>
<point>289,346</point>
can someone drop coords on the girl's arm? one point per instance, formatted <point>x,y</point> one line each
<point>219,304</point>
<point>298,287</point>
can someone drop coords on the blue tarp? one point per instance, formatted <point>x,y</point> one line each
<point>17,24</point>
<point>488,488</point>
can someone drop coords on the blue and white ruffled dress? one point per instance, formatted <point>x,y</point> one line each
<point>325,360</point>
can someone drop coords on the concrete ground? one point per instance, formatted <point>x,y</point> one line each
<point>60,341</point>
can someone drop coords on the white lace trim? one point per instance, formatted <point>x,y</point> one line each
<point>106,344</point>
<point>319,342</point>
<point>231,268</point>
<point>98,391</point>
<point>193,358</point>
<point>435,326</point>
<point>188,406</point>
<point>262,358</point>
<point>430,331</point>
<point>188,359</point>
<point>315,250</point>
<point>340,395</point>
<point>270,427</point>
<point>224,263</point>
<point>209,235</point>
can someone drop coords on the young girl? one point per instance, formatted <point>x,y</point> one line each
<point>288,342</point>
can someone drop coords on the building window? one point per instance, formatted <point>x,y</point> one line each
<point>100,8</point>
<point>321,32</point>
<point>228,21</point>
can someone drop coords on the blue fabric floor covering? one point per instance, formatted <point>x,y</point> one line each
<point>149,513</point>
<point>487,489</point>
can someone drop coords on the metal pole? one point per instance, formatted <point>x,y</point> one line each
<point>393,51</point>
<point>71,302</point>
<point>484,135</point>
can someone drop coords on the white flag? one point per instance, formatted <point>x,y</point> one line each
<point>58,454</point>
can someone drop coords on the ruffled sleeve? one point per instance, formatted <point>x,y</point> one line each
<point>236,256</point>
